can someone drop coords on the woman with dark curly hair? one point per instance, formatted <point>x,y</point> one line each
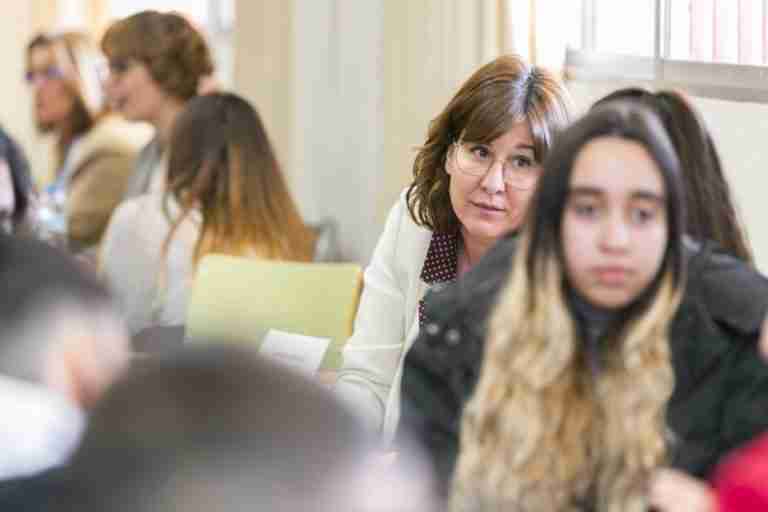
<point>157,61</point>
<point>473,179</point>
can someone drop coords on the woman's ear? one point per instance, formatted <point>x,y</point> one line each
<point>764,339</point>
<point>448,159</point>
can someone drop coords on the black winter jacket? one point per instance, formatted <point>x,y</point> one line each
<point>721,390</point>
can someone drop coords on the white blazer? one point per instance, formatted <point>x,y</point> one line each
<point>387,322</point>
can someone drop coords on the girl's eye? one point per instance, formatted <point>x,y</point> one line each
<point>642,215</point>
<point>585,210</point>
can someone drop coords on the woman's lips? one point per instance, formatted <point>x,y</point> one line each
<point>488,207</point>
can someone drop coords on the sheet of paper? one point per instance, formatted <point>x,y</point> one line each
<point>302,353</point>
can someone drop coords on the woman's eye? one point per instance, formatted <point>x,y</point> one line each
<point>480,152</point>
<point>521,161</point>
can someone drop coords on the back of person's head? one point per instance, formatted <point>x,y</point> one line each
<point>220,429</point>
<point>712,212</point>
<point>492,101</point>
<point>57,323</point>
<point>542,427</point>
<point>222,163</point>
<point>174,51</point>
<point>73,58</point>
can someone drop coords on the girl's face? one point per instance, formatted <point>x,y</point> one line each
<point>615,227</point>
<point>492,184</point>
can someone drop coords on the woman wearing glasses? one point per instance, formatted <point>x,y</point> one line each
<point>94,152</point>
<point>473,179</point>
<point>158,62</point>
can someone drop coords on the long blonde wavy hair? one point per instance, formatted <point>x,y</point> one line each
<point>541,431</point>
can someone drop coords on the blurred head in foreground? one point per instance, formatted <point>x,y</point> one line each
<point>222,429</point>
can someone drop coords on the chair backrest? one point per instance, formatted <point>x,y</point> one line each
<point>327,247</point>
<point>240,299</point>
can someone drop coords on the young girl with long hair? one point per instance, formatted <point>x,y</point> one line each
<point>725,301</point>
<point>570,409</point>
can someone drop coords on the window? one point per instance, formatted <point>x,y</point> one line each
<point>731,31</point>
<point>624,27</point>
<point>715,48</point>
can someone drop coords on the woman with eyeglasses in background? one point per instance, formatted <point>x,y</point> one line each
<point>157,61</point>
<point>94,153</point>
<point>473,179</point>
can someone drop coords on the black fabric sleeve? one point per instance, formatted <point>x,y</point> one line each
<point>745,410</point>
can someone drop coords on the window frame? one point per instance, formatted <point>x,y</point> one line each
<point>725,81</point>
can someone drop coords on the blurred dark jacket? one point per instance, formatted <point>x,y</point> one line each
<point>721,383</point>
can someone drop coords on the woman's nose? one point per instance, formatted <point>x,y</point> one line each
<point>493,181</point>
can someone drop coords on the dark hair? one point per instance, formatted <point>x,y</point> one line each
<point>173,50</point>
<point>501,93</point>
<point>23,186</point>
<point>33,271</point>
<point>626,120</point>
<point>712,214</point>
<point>212,418</point>
<point>535,353</point>
<point>222,163</point>
<point>35,275</point>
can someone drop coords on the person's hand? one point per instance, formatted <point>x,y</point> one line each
<point>673,490</point>
<point>764,339</point>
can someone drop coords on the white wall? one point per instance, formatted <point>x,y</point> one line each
<point>347,89</point>
<point>17,25</point>
<point>740,131</point>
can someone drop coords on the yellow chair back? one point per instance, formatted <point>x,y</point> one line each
<point>240,299</point>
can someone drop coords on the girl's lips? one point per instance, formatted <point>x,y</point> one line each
<point>612,275</point>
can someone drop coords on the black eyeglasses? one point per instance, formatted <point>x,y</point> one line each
<point>50,73</point>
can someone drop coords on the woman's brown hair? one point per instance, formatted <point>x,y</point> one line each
<point>498,95</point>
<point>174,51</point>
<point>222,164</point>
<point>78,61</point>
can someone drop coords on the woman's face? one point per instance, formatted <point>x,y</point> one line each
<point>615,227</point>
<point>493,200</point>
<point>54,100</point>
<point>133,92</point>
